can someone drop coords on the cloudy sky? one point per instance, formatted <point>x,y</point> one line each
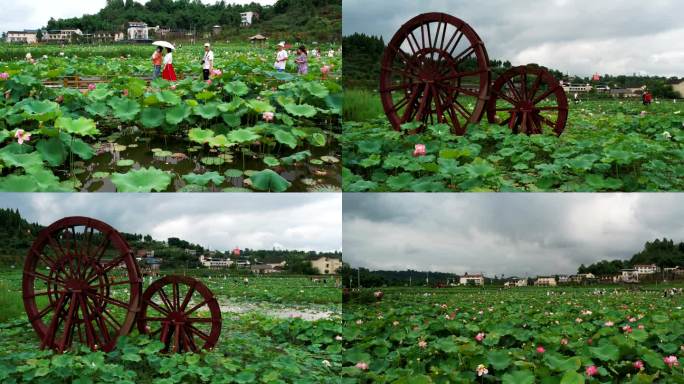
<point>33,14</point>
<point>579,37</point>
<point>218,221</point>
<point>515,234</point>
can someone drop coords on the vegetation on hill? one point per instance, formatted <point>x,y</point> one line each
<point>664,253</point>
<point>295,20</point>
<point>17,235</point>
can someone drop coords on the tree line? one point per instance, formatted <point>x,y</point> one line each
<point>664,253</point>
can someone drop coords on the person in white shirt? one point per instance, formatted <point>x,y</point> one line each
<point>168,73</point>
<point>281,57</point>
<point>207,61</point>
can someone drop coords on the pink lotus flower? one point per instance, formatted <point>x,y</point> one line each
<point>173,86</point>
<point>540,349</point>
<point>4,75</point>
<point>632,319</point>
<point>422,344</point>
<point>480,336</point>
<point>627,329</point>
<point>216,72</point>
<point>124,92</point>
<point>325,69</point>
<point>482,370</point>
<point>564,341</point>
<point>591,370</point>
<point>209,82</point>
<point>378,294</point>
<point>671,361</point>
<point>641,326</point>
<point>91,86</point>
<point>362,366</point>
<point>419,150</point>
<point>268,116</point>
<point>609,324</point>
<point>22,136</point>
<point>638,365</point>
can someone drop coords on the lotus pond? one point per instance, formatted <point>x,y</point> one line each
<point>249,128</point>
<point>518,336</point>
<point>606,146</point>
<point>257,343</point>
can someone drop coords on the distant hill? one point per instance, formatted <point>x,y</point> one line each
<point>664,253</point>
<point>17,235</point>
<point>291,20</point>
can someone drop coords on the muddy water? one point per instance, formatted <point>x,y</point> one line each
<point>186,158</point>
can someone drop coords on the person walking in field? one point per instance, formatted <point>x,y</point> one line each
<point>281,58</point>
<point>157,62</point>
<point>207,61</point>
<point>302,61</point>
<point>168,73</point>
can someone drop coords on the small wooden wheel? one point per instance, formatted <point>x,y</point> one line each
<point>67,289</point>
<point>533,99</point>
<point>182,312</point>
<point>435,70</point>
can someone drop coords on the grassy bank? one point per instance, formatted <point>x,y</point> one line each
<point>361,105</point>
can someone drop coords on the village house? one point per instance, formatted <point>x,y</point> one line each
<point>62,35</point>
<point>646,269</point>
<point>247,18</point>
<point>138,30</point>
<point>543,281</point>
<point>265,269</point>
<point>25,37</point>
<point>326,265</point>
<point>679,88</point>
<point>521,283</point>
<point>215,262</point>
<point>627,92</point>
<point>471,279</point>
<point>629,275</point>
<point>563,279</point>
<point>575,88</point>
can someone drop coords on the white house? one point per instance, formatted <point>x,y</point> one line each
<point>575,88</point>
<point>247,18</point>
<point>62,35</point>
<point>137,30</point>
<point>210,262</point>
<point>326,265</point>
<point>471,279</point>
<point>646,269</point>
<point>545,281</point>
<point>630,275</point>
<point>563,279</point>
<point>26,36</point>
<point>521,283</point>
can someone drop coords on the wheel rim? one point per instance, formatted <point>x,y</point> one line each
<point>67,291</point>
<point>532,99</point>
<point>182,312</point>
<point>435,70</point>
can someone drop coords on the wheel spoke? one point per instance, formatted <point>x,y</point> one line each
<point>535,86</point>
<point>545,94</point>
<point>200,319</point>
<point>459,75</point>
<point>199,333</point>
<point>165,300</point>
<point>196,307</point>
<point>187,298</point>
<point>158,307</point>
<point>110,300</point>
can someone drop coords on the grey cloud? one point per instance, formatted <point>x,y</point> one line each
<point>579,37</point>
<point>514,234</point>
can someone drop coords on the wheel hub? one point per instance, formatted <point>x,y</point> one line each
<point>77,285</point>
<point>177,317</point>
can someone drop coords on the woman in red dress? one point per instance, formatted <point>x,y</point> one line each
<point>168,73</point>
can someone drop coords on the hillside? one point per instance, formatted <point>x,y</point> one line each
<point>17,235</point>
<point>291,20</point>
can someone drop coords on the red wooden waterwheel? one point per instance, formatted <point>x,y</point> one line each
<point>435,70</point>
<point>182,312</point>
<point>68,290</point>
<point>532,99</point>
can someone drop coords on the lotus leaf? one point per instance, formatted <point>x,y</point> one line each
<point>142,180</point>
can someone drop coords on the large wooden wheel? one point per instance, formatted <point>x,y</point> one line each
<point>182,312</point>
<point>532,99</point>
<point>435,70</point>
<point>68,289</point>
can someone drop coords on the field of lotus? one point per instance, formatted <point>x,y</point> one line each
<point>607,146</point>
<point>274,330</point>
<point>518,336</point>
<point>111,129</point>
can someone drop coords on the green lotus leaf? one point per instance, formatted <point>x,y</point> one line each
<point>152,117</point>
<point>52,150</point>
<point>286,138</point>
<point>304,110</point>
<point>100,175</point>
<point>42,110</point>
<point>260,106</point>
<point>199,135</point>
<point>271,161</point>
<point>14,156</point>
<point>178,113</point>
<point>207,111</point>
<point>162,154</point>
<point>330,159</point>
<point>97,109</point>
<point>243,135</point>
<point>4,134</point>
<point>236,189</point>
<point>232,173</point>
<point>219,141</point>
<point>237,88</point>
<point>299,156</point>
<point>168,97</point>
<point>316,161</point>
<point>124,109</point>
<point>212,160</point>
<point>205,95</point>
<point>42,180</point>
<point>334,103</point>
<point>267,180</point>
<point>204,178</point>
<point>231,120</point>
<point>142,180</point>
<point>233,106</point>
<point>81,126</point>
<point>316,89</point>
<point>100,93</point>
<point>317,139</point>
<point>125,163</point>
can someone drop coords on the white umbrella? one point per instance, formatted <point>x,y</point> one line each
<point>164,44</point>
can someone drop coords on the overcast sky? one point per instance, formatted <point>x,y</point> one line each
<point>515,234</point>
<point>580,36</point>
<point>34,14</point>
<point>308,221</point>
